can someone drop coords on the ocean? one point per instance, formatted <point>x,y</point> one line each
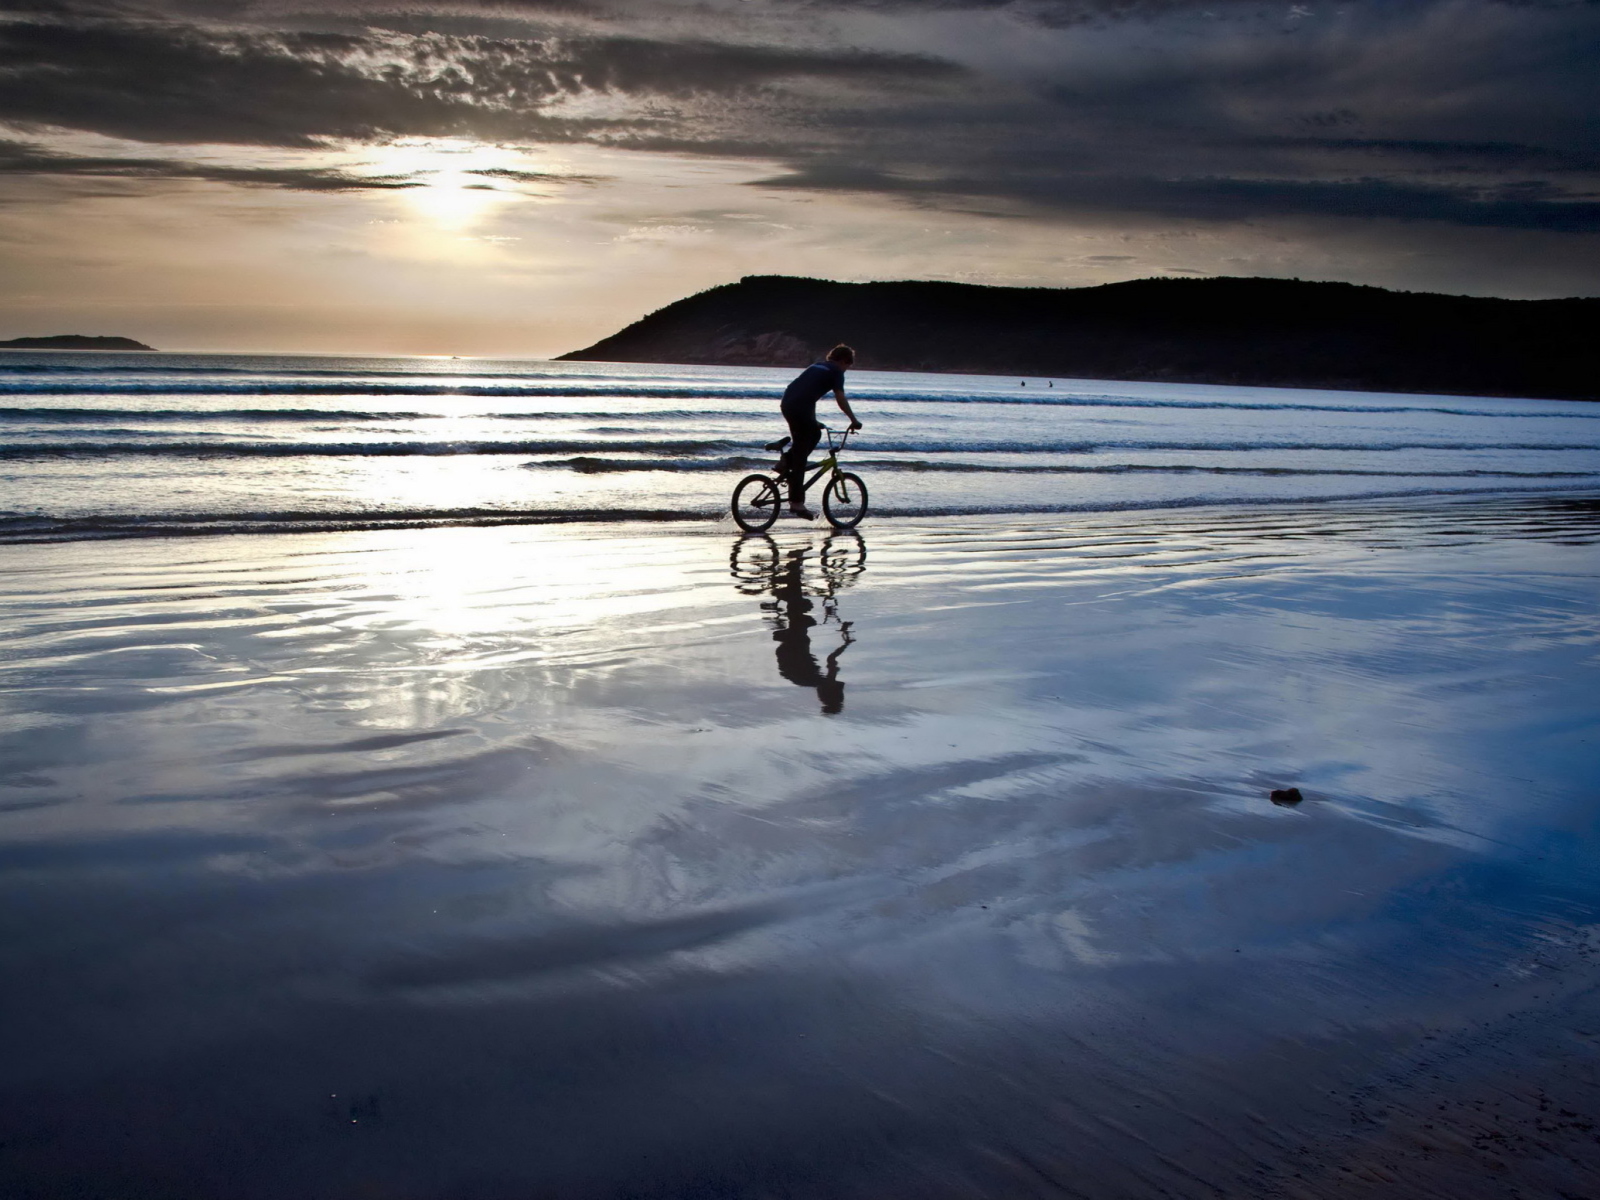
<point>105,445</point>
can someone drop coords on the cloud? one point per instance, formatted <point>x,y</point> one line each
<point>173,82</point>
<point>1464,113</point>
<point>20,158</point>
<point>23,158</point>
<point>1526,205</point>
<point>1466,155</point>
<point>1471,113</point>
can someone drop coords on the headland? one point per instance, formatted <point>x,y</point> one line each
<point>1254,332</point>
<point>73,341</point>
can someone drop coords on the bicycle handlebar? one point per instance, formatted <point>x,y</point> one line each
<point>843,437</point>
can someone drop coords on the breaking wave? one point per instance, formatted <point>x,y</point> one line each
<point>648,442</point>
<point>21,529</point>
<point>264,449</point>
<point>596,466</point>
<point>269,386</point>
<point>191,415</point>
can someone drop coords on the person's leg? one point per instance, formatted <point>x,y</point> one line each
<point>805,435</point>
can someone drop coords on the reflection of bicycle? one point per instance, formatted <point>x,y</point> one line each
<point>757,499</point>
<point>755,563</point>
<point>795,579</point>
<point>843,556</point>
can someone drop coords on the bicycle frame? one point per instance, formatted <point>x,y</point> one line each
<point>831,463</point>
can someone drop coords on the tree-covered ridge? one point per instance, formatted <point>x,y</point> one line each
<point>1264,332</point>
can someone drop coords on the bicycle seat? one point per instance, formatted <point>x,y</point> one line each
<point>777,445</point>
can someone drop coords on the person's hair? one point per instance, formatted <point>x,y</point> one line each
<point>841,353</point>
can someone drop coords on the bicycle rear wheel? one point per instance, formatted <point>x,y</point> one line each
<point>844,500</point>
<point>753,562</point>
<point>755,503</point>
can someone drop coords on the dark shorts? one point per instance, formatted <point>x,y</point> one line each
<point>804,434</point>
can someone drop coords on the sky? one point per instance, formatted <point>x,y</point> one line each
<point>360,176</point>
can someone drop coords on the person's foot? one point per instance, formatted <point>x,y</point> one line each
<point>801,511</point>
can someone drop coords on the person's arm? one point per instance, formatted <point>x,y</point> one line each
<point>855,421</point>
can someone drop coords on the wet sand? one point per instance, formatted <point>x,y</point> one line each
<point>602,860</point>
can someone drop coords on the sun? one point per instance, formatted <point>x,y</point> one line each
<point>452,182</point>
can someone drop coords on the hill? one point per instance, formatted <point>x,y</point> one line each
<point>73,341</point>
<point>1265,332</point>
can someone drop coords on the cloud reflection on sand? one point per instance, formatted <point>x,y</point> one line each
<point>521,850</point>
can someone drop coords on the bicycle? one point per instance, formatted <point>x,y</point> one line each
<point>758,498</point>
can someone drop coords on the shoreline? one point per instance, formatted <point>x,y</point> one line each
<point>63,530</point>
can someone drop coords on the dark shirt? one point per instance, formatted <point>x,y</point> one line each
<point>812,384</point>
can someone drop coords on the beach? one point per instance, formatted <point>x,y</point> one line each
<point>450,749</point>
<point>642,858</point>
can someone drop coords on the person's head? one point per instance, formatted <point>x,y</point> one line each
<point>842,355</point>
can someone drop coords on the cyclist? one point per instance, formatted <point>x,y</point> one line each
<point>800,411</point>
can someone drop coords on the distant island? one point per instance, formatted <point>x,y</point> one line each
<point>73,341</point>
<point>1261,332</point>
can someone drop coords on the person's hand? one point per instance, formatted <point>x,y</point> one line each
<point>854,425</point>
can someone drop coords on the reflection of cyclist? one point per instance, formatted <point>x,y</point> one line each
<point>800,411</point>
<point>796,663</point>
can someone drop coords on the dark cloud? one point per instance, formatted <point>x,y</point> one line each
<point>1528,205</point>
<point>183,83</point>
<point>1466,155</point>
<point>21,158</point>
<point>17,158</point>
<point>1472,113</point>
<point>1458,112</point>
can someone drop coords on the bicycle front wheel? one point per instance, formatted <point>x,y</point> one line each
<point>843,556</point>
<point>844,501</point>
<point>755,503</point>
